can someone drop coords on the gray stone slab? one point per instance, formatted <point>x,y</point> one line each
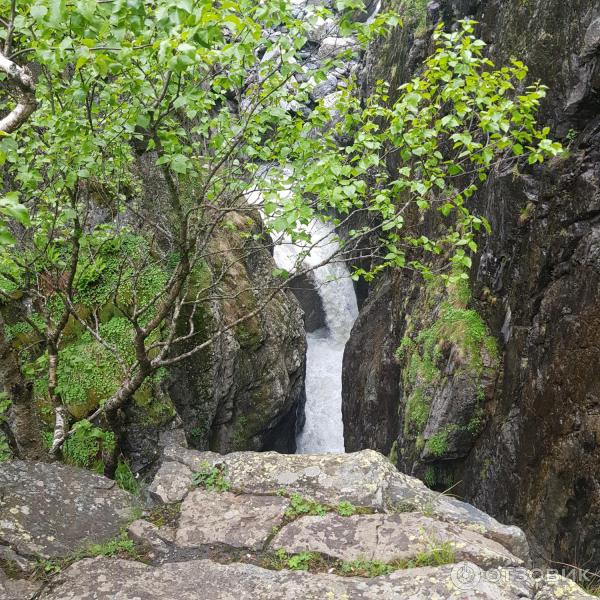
<point>51,510</point>
<point>172,482</point>
<point>112,579</point>
<point>388,538</point>
<point>17,589</point>
<point>244,521</point>
<point>364,478</point>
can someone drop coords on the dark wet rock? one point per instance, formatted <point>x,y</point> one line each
<point>52,510</point>
<point>310,301</point>
<point>245,392</point>
<point>530,453</point>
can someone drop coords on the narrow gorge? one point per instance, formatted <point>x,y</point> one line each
<point>300,300</point>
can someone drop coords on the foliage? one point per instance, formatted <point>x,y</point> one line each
<point>303,561</point>
<point>430,476</point>
<point>436,554</point>
<point>300,506</point>
<point>87,445</point>
<point>212,479</point>
<point>366,568</point>
<point>346,509</point>
<point>125,478</point>
<point>438,444</point>
<point>5,403</point>
<point>121,547</point>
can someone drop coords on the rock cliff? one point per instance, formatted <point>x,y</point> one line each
<point>494,389</point>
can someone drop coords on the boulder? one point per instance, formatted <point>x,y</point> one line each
<point>364,478</point>
<point>53,510</point>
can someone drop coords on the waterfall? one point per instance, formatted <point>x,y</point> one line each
<point>324,431</point>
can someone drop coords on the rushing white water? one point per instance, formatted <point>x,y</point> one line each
<point>323,431</point>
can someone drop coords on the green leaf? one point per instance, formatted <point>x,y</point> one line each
<point>38,11</point>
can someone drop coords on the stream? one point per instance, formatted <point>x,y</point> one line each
<point>323,430</point>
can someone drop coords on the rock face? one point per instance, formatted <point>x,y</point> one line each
<point>247,391</point>
<point>272,527</point>
<point>516,418</point>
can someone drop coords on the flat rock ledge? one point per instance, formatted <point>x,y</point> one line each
<point>261,527</point>
<point>102,578</point>
<point>389,538</point>
<point>364,478</point>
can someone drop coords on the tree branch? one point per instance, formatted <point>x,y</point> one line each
<point>24,87</point>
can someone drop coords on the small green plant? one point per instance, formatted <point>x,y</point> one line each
<point>526,213</point>
<point>300,507</point>
<point>211,478</point>
<point>87,445</point>
<point>346,509</point>
<point>121,546</point>
<point>438,444</point>
<point>301,561</point>
<point>125,477</point>
<point>364,568</point>
<point>437,555</point>
<point>5,451</point>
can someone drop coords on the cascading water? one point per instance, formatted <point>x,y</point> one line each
<point>323,431</point>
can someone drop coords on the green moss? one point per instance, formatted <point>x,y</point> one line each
<point>417,409</point>
<point>416,11</point>
<point>430,477</point>
<point>5,451</point>
<point>240,433</point>
<point>438,444</point>
<point>87,445</point>
<point>455,325</point>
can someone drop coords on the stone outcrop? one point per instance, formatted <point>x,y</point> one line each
<point>520,429</point>
<point>96,579</point>
<point>51,510</point>
<point>265,526</point>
